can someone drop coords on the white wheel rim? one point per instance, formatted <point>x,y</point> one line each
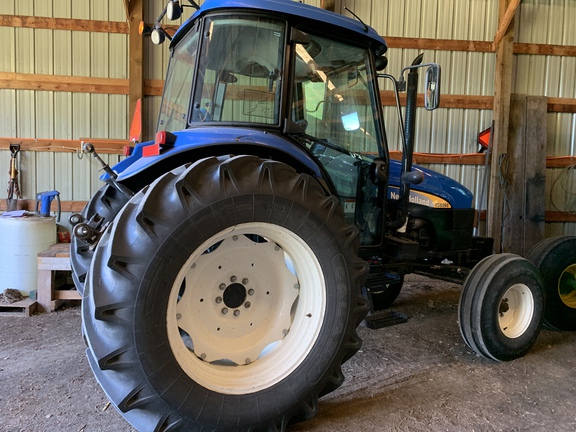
<point>251,311</point>
<point>516,311</point>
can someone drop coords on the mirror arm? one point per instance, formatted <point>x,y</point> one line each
<point>397,97</point>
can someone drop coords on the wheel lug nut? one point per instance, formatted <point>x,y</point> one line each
<point>233,279</point>
<point>247,305</point>
<point>250,292</point>
<point>222,287</point>
<point>236,312</point>
<point>224,311</point>
<point>245,281</point>
<point>218,300</point>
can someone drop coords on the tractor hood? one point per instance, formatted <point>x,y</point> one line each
<point>434,185</point>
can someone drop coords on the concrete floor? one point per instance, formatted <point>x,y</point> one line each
<point>416,376</point>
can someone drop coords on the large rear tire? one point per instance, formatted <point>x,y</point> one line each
<point>556,259</point>
<point>225,297</point>
<point>106,203</point>
<point>501,307</point>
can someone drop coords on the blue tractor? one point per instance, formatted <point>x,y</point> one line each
<point>226,265</point>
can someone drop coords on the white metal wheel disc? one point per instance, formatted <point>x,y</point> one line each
<point>246,308</point>
<point>516,311</point>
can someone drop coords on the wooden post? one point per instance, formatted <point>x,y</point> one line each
<point>524,207</point>
<point>328,5</point>
<point>136,63</point>
<point>501,110</point>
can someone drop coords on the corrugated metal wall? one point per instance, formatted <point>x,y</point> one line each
<point>46,114</point>
<point>472,73</point>
<point>551,22</point>
<point>61,115</point>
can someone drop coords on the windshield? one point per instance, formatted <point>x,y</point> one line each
<point>179,79</point>
<point>333,97</point>
<point>239,73</point>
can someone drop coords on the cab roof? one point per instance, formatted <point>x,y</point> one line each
<point>295,12</point>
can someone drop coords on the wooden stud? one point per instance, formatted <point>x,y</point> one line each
<point>136,63</point>
<point>502,91</point>
<point>329,5</point>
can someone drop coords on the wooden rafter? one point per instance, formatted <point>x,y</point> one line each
<point>504,23</point>
<point>127,9</point>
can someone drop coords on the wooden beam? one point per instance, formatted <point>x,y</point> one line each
<point>108,146</point>
<point>127,9</point>
<point>438,44</point>
<point>63,24</point>
<point>11,80</point>
<point>30,205</point>
<point>136,61</point>
<point>502,92</point>
<point>328,5</point>
<point>557,216</point>
<point>560,161</point>
<point>393,42</point>
<point>446,101</point>
<point>545,49</point>
<point>74,84</point>
<point>563,105</point>
<point>523,225</point>
<point>504,21</point>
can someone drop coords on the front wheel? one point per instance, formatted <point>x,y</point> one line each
<point>501,307</point>
<point>225,297</point>
<point>556,259</point>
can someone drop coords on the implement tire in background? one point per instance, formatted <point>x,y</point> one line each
<point>107,202</point>
<point>556,259</point>
<point>501,307</point>
<point>225,297</point>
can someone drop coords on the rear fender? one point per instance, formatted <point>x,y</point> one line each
<point>191,145</point>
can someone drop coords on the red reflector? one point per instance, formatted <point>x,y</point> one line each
<point>484,137</point>
<point>151,150</point>
<point>128,150</point>
<point>160,138</point>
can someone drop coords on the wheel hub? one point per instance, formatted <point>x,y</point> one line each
<point>234,295</point>
<point>567,286</point>
<point>252,290</point>
<point>516,311</point>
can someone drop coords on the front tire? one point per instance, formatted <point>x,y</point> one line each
<point>556,259</point>
<point>501,307</point>
<point>225,297</point>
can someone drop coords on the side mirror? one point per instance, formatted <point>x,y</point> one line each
<point>173,10</point>
<point>432,93</point>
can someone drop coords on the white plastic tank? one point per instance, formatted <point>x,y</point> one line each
<point>21,239</point>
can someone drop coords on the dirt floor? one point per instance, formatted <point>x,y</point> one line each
<point>416,376</point>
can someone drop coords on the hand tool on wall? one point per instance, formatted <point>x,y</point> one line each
<point>13,188</point>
